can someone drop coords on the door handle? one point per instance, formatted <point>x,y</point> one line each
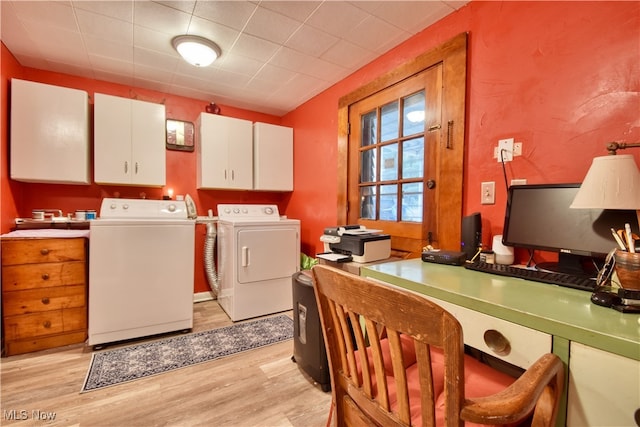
<point>245,256</point>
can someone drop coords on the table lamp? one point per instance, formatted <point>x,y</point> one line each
<point>613,182</point>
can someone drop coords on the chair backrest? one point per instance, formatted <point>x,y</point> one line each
<point>397,358</point>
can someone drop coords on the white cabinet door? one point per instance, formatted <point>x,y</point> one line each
<point>129,141</point>
<point>148,135</point>
<point>49,134</point>
<point>273,157</point>
<point>224,149</point>
<point>604,388</point>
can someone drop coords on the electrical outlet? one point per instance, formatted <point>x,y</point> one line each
<point>488,193</point>
<point>517,149</point>
<point>505,150</point>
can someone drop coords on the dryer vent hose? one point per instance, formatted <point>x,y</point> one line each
<point>210,258</point>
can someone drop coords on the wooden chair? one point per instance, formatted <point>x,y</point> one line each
<point>396,358</point>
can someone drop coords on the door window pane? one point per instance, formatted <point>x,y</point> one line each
<point>412,202</point>
<point>389,202</point>
<point>389,162</point>
<point>369,123</point>
<point>389,122</point>
<point>368,165</point>
<point>368,202</point>
<point>413,113</point>
<point>413,158</point>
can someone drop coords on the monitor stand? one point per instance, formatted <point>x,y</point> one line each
<point>574,265</point>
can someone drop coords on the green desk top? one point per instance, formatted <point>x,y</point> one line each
<point>559,311</point>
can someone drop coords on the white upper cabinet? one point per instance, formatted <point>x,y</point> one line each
<point>224,148</point>
<point>273,157</point>
<point>129,141</point>
<point>49,134</point>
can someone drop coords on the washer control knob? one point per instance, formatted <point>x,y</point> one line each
<point>245,211</point>
<point>125,206</point>
<point>236,210</point>
<point>227,210</point>
<point>268,210</point>
<point>112,206</point>
<point>171,207</point>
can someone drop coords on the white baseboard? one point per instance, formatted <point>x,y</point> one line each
<point>203,296</point>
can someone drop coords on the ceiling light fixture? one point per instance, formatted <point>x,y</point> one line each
<point>196,50</point>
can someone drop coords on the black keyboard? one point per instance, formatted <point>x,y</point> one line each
<point>561,279</point>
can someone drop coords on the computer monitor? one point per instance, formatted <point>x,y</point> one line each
<point>538,217</point>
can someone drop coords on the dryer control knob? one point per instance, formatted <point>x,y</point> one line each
<point>236,210</point>
<point>112,206</point>
<point>268,210</point>
<point>125,206</point>
<point>171,207</point>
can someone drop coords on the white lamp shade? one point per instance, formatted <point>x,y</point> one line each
<point>196,50</point>
<point>612,182</point>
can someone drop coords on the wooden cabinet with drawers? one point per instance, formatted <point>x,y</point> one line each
<point>44,293</point>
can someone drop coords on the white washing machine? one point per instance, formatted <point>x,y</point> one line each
<point>141,263</point>
<point>258,253</point>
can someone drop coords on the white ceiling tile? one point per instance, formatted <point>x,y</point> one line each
<point>347,54</point>
<point>105,27</point>
<point>290,59</point>
<point>373,32</point>
<point>183,5</point>
<point>157,41</point>
<point>222,35</point>
<point>234,14</point>
<point>311,41</point>
<point>108,49</point>
<point>161,18</point>
<point>336,18</point>
<point>273,74</point>
<point>54,14</point>
<point>111,65</point>
<point>254,47</point>
<point>122,10</point>
<point>271,26</point>
<point>298,10</point>
<point>242,65</point>
<point>154,59</point>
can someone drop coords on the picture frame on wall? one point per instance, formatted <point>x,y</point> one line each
<point>180,135</point>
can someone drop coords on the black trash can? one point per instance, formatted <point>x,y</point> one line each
<point>308,343</point>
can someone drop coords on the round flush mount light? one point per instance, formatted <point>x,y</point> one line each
<point>196,50</point>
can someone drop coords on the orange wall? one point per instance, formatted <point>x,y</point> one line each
<point>561,77</point>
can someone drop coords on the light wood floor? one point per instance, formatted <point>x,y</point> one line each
<point>261,387</point>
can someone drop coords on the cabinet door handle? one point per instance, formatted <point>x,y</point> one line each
<point>136,170</point>
<point>497,342</point>
<point>46,324</point>
<point>45,300</point>
<point>233,175</point>
<point>126,167</point>
<point>225,174</point>
<point>45,276</point>
<point>44,251</point>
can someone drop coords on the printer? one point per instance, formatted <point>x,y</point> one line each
<point>355,242</point>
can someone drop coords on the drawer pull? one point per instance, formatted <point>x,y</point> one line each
<point>47,324</point>
<point>497,342</point>
<point>44,251</point>
<point>45,300</point>
<point>45,276</point>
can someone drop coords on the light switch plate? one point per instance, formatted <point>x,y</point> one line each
<point>488,193</point>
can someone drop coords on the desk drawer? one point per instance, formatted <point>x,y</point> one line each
<point>513,343</point>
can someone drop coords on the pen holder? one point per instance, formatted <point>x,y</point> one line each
<point>628,269</point>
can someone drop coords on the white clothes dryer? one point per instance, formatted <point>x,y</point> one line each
<point>141,265</point>
<point>258,253</point>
